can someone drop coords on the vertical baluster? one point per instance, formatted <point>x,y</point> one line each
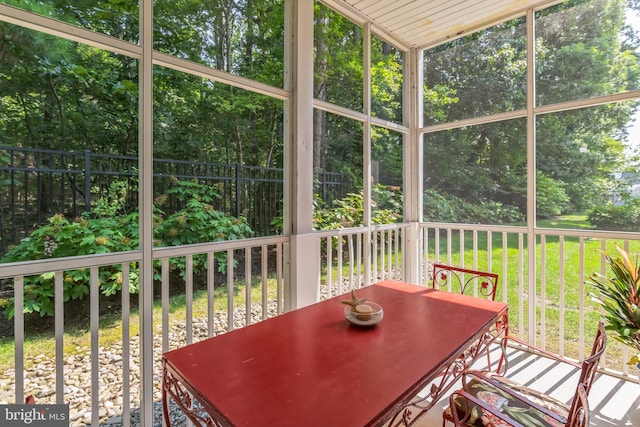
<point>389,235</point>
<point>374,254</point>
<point>383,255</point>
<point>211,274</point>
<point>359,259</point>
<point>59,334</point>
<point>350,253</point>
<point>505,281</point>
<point>94,295</point>
<point>581,300</point>
<point>126,390</point>
<point>329,243</point>
<point>561,274</point>
<point>265,281</point>
<point>230,290</point>
<point>543,291</point>
<point>339,256</point>
<point>247,285</point>
<point>396,257</point>
<point>279,275</point>
<point>18,335</point>
<point>188,292</point>
<point>520,286</point>
<point>165,304</point>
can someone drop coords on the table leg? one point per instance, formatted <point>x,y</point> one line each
<point>172,388</point>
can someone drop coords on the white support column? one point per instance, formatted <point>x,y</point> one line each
<point>366,150</point>
<point>145,197</point>
<point>413,161</point>
<point>531,179</point>
<point>304,250</point>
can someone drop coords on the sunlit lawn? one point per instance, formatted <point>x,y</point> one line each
<point>560,282</point>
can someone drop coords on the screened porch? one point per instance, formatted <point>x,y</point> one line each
<point>375,138</point>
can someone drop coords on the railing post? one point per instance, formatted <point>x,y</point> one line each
<point>87,181</point>
<point>411,259</point>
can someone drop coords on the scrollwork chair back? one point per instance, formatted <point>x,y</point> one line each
<point>464,280</point>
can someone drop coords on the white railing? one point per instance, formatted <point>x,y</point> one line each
<point>552,309</point>
<point>200,303</point>
<point>99,379</point>
<point>343,254</point>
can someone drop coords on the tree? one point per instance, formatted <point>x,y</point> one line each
<point>579,54</point>
<point>337,79</point>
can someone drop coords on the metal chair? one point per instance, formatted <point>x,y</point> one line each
<point>466,281</point>
<point>473,283</point>
<point>499,401</point>
<point>477,283</point>
<point>516,411</point>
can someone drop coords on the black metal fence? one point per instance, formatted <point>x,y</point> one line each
<point>39,183</point>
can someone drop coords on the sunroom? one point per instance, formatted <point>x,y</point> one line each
<point>173,171</point>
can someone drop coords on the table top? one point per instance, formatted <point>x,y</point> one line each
<point>311,367</point>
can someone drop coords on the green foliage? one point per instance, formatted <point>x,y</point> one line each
<point>484,74</point>
<point>616,217</point>
<point>109,229</point>
<point>619,296</point>
<point>386,198</point>
<point>199,222</point>
<point>349,211</point>
<point>61,237</point>
<point>551,199</point>
<point>386,208</point>
<point>386,81</point>
<point>61,94</point>
<point>437,208</point>
<point>449,208</point>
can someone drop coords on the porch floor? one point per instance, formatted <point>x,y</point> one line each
<point>612,401</point>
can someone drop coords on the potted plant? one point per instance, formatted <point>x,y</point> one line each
<point>619,296</point>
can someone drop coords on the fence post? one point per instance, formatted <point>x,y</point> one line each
<point>323,177</point>
<point>87,181</point>
<point>238,187</point>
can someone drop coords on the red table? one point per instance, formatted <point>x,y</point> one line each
<point>310,367</point>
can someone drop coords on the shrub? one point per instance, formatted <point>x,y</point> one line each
<point>612,217</point>
<point>452,209</point>
<point>61,237</point>
<point>349,211</point>
<point>110,229</point>
<point>198,222</point>
<point>437,208</point>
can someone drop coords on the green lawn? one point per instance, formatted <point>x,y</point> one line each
<point>563,277</point>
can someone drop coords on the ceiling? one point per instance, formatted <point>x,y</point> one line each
<point>424,23</point>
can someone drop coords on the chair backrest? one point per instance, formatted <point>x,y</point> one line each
<point>587,375</point>
<point>590,364</point>
<point>579,413</point>
<point>463,280</point>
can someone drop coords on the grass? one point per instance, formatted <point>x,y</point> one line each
<point>558,274</point>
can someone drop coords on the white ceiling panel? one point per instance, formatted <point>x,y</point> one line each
<point>423,23</point>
